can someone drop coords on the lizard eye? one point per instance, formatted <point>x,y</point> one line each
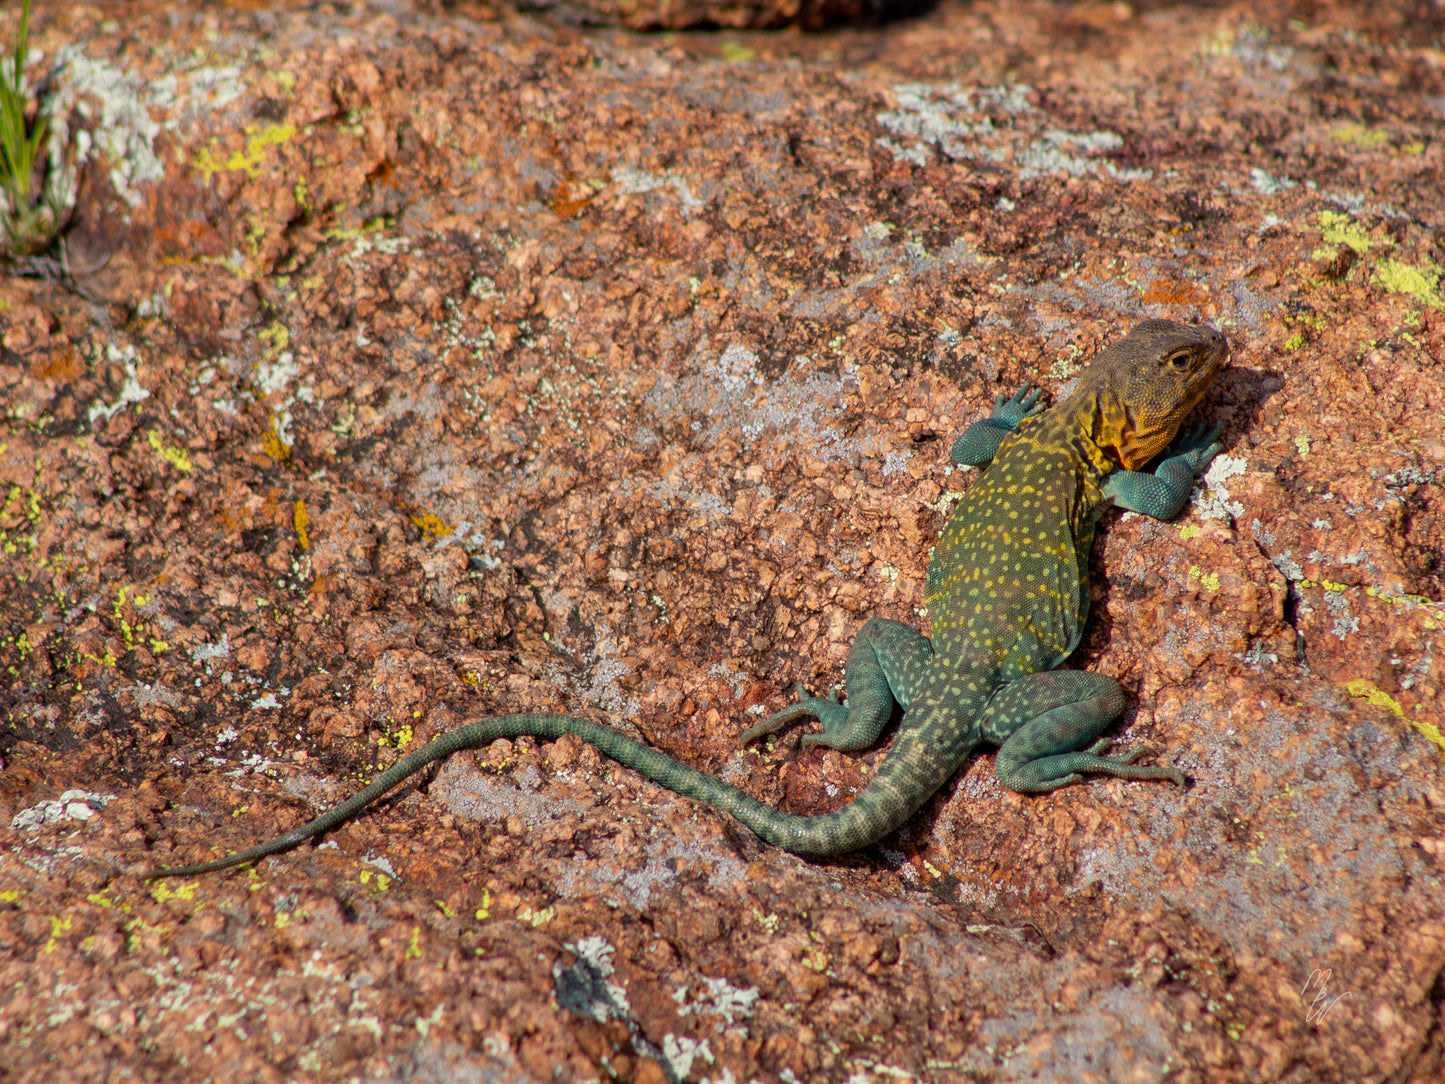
<point>1179,360</point>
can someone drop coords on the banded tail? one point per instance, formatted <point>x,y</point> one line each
<point>890,798</point>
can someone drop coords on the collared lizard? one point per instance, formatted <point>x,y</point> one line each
<point>1007,595</point>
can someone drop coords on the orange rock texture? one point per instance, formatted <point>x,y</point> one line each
<point>408,363</point>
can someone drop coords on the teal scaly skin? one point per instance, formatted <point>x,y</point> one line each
<point>1007,595</point>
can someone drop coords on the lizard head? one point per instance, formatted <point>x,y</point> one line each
<point>1147,383</point>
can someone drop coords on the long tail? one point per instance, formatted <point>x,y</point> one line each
<point>903,782</point>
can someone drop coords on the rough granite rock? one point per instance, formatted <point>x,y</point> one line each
<point>733,14</point>
<point>431,362</point>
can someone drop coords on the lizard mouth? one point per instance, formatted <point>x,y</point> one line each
<point>1219,349</point>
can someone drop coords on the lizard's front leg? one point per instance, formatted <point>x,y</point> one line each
<point>883,668</point>
<point>1162,492</point>
<point>980,441</point>
<point>1042,724</point>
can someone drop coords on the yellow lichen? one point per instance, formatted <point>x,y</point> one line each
<point>382,880</point>
<point>301,521</point>
<point>736,53</point>
<point>432,526</point>
<point>1371,693</point>
<point>58,926</point>
<point>1209,580</point>
<point>278,335</point>
<point>249,160</point>
<point>1341,229</point>
<point>173,454</point>
<point>1360,135</point>
<point>1430,732</point>
<point>162,891</point>
<point>402,736</point>
<point>1421,281</point>
<point>275,447</point>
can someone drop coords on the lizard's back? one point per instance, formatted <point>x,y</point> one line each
<point>1008,579</point>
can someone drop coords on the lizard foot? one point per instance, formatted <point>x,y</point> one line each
<point>1059,770</point>
<point>1024,403</point>
<point>808,706</point>
<point>1197,446</point>
<point>1125,767</point>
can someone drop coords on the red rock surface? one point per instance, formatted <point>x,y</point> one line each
<point>735,14</point>
<point>439,362</point>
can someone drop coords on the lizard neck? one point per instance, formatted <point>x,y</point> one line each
<point>1092,429</point>
<point>1102,431</point>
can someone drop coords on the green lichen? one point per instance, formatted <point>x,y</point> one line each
<point>1208,580</point>
<point>162,892</point>
<point>249,160</point>
<point>1360,135</point>
<point>537,918</point>
<point>1339,229</point>
<point>1421,281</point>
<point>733,52</point>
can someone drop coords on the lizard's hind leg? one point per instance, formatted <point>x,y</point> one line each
<point>883,669</point>
<point>1047,726</point>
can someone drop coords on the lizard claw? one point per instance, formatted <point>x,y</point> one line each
<point>1013,409</point>
<point>1197,446</point>
<point>1163,771</point>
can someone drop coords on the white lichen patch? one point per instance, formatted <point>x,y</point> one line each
<point>1211,499</point>
<point>130,391</point>
<point>719,998</point>
<point>273,374</point>
<point>114,103</point>
<point>946,120</point>
<point>1268,185</point>
<point>72,805</point>
<point>1074,153</point>
<point>680,1052</point>
<point>639,182</point>
<point>381,863</point>
<point>597,953</point>
<point>602,688</point>
<point>957,124</point>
